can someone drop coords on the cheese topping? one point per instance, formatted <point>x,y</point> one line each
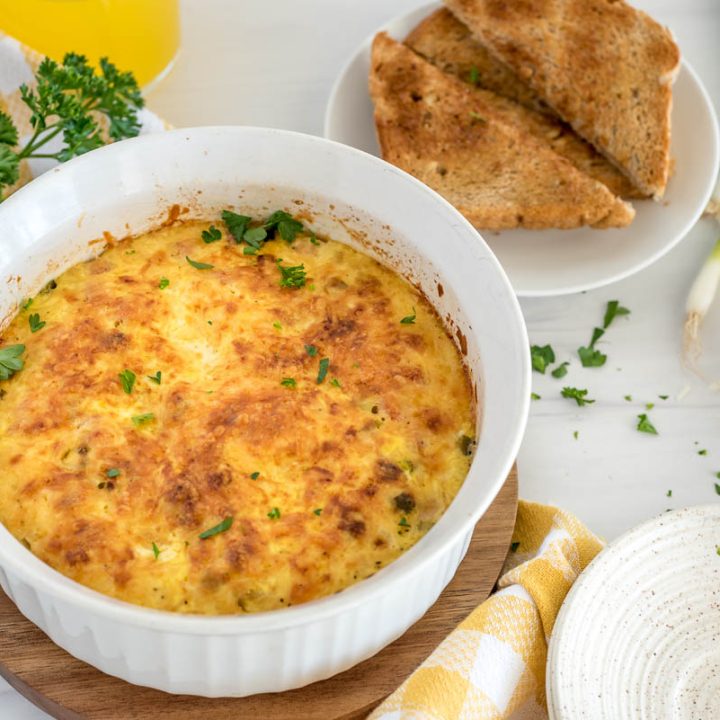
<point>190,435</point>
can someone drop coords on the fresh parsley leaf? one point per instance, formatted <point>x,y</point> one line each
<point>323,369</point>
<point>541,357</point>
<point>514,546</point>
<point>211,235</point>
<point>335,383</point>
<point>311,350</point>
<point>10,360</point>
<point>35,322</point>
<point>236,224</point>
<point>221,527</point>
<point>474,75</point>
<point>285,224</point>
<point>535,396</point>
<point>596,335</point>
<point>199,265</point>
<point>8,131</point>
<point>9,166</point>
<point>274,514</point>
<point>409,319</point>
<point>127,380</point>
<point>156,551</point>
<point>644,425</point>
<point>144,419</point>
<point>317,511</point>
<point>561,370</point>
<point>255,475</point>
<point>255,237</point>
<point>156,378</point>
<point>288,382</point>
<point>579,396</point>
<point>291,276</point>
<point>164,282</point>
<point>614,309</point>
<point>590,357</point>
<point>113,473</point>
<point>717,487</point>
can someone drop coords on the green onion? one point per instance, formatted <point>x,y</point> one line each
<point>702,294</point>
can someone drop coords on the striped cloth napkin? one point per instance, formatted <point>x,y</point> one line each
<point>492,666</point>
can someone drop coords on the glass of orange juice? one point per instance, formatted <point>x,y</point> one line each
<point>142,36</point>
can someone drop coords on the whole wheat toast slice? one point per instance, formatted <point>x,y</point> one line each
<point>604,67</point>
<point>443,40</point>
<point>454,139</point>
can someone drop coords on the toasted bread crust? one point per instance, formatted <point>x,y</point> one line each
<point>604,67</point>
<point>443,40</point>
<point>458,140</point>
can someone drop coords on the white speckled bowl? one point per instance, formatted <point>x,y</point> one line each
<point>47,226</point>
<point>639,633</point>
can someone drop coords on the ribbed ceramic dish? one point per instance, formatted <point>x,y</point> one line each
<point>638,636</point>
<point>127,188</point>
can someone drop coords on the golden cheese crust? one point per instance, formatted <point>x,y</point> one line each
<point>314,485</point>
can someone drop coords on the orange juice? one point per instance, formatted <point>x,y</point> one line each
<point>137,35</point>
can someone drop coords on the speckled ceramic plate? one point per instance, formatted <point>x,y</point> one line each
<point>639,633</point>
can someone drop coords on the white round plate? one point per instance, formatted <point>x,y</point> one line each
<point>557,262</point>
<point>639,633</point>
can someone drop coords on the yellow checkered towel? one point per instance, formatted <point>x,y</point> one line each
<point>18,64</point>
<point>492,666</point>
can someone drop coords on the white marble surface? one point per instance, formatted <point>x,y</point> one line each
<point>258,63</point>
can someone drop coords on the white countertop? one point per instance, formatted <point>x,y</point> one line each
<point>252,62</point>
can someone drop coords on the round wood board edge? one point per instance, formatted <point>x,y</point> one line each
<point>69,689</point>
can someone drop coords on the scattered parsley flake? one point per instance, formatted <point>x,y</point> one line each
<point>292,276</point>
<point>274,514</point>
<point>289,382</point>
<point>156,551</point>
<point>335,383</point>
<point>255,475</point>
<point>317,511</point>
<point>311,350</point>
<point>409,319</point>
<point>36,323</point>
<point>474,75</point>
<point>10,360</point>
<point>323,369</point>
<point>535,396</point>
<point>541,357</point>
<point>217,529</point>
<point>561,370</point>
<point>277,325</point>
<point>144,419</point>
<point>613,310</point>
<point>476,117</point>
<point>199,265</point>
<point>628,398</point>
<point>127,380</point>
<point>717,487</point>
<point>668,493</point>
<point>576,434</point>
<point>644,425</point>
<point>663,397</point>
<point>404,522</point>
<point>26,305</point>
<point>113,472</point>
<point>649,406</point>
<point>211,235</point>
<point>164,282</point>
<point>702,452</point>
<point>156,378</point>
<point>579,396</point>
<point>514,546</point>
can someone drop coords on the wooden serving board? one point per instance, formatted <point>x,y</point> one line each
<point>68,689</point>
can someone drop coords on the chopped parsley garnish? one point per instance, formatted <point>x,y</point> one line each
<point>474,75</point>
<point>156,378</point>
<point>403,522</point>
<point>277,326</point>
<point>144,419</point>
<point>576,434</point>
<point>292,276</point>
<point>589,356</point>
<point>561,370</point>
<point>289,382</point>
<point>255,237</point>
<point>717,487</point>
<point>409,319</point>
<point>535,396</point>
<point>36,323</point>
<point>199,265</point>
<point>311,350</point>
<point>579,396</point>
<point>476,117</point>
<point>211,235</point>
<point>702,452</point>
<point>10,361</point>
<point>255,475</point>
<point>221,527</point>
<point>156,551</point>
<point>274,514</point>
<point>335,383</point>
<point>285,224</point>
<point>236,224</point>
<point>541,357</point>
<point>644,425</point>
<point>317,511</point>
<point>323,369</point>
<point>113,472</point>
<point>613,310</point>
<point>628,398</point>
<point>668,493</point>
<point>26,305</point>
<point>514,546</point>
<point>127,380</point>
<point>649,406</point>
<point>663,397</point>
<point>164,282</point>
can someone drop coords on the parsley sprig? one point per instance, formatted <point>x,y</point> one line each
<point>578,395</point>
<point>69,99</point>
<point>10,360</point>
<point>291,276</point>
